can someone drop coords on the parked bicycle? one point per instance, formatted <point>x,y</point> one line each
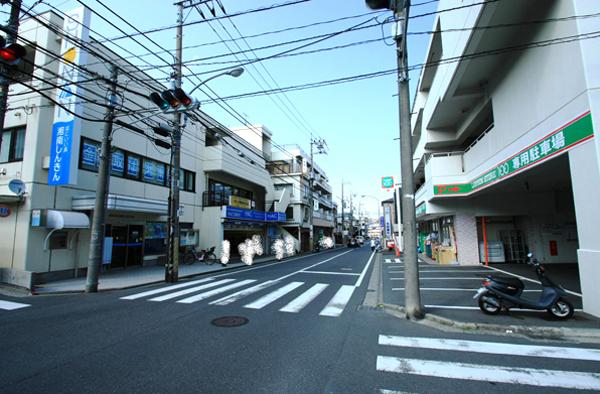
<point>206,256</point>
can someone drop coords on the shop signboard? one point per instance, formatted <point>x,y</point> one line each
<point>230,212</point>
<point>66,129</point>
<point>388,222</point>
<point>387,182</point>
<point>240,202</point>
<point>421,209</point>
<point>553,144</point>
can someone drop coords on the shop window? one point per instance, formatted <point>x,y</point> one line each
<point>133,166</point>
<point>154,172</point>
<point>89,158</point>
<point>155,238</point>
<point>12,145</point>
<point>117,162</point>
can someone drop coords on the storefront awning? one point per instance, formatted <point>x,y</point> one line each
<point>66,219</point>
<point>122,203</point>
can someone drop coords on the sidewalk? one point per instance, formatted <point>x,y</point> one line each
<point>138,276</point>
<point>461,311</point>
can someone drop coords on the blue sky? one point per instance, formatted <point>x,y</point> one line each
<point>358,120</point>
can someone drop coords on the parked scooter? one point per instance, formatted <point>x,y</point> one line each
<point>505,293</point>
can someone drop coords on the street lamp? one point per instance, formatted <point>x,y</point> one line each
<point>172,266</point>
<point>236,72</point>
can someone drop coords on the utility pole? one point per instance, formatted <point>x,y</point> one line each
<point>320,143</point>
<point>172,265</point>
<point>13,27</point>
<point>412,294</point>
<point>343,222</point>
<point>102,186</point>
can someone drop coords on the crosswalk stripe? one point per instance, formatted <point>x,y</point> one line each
<point>164,289</point>
<point>207,294</point>
<point>188,291</point>
<point>304,299</point>
<point>490,373</point>
<point>241,294</point>
<point>9,306</point>
<point>336,306</point>
<point>266,300</point>
<point>571,353</point>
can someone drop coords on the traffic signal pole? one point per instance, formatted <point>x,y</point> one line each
<point>13,27</point>
<point>412,296</point>
<point>172,265</point>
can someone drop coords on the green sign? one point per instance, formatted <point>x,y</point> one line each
<point>558,141</point>
<point>387,182</point>
<point>421,209</point>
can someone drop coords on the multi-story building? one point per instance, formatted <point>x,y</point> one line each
<point>225,189</point>
<point>504,142</point>
<point>291,169</point>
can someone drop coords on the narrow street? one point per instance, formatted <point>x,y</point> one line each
<point>296,326</point>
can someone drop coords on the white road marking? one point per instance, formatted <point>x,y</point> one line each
<point>447,278</point>
<point>304,299</point>
<point>314,265</point>
<point>454,270</point>
<point>207,294</point>
<point>188,291</point>
<point>457,289</point>
<point>491,373</point>
<point>10,306</point>
<point>241,294</point>
<point>336,306</point>
<point>571,353</point>
<point>329,273</point>
<point>165,289</point>
<point>266,300</point>
<point>364,271</point>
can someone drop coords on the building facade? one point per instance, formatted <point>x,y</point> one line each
<point>225,189</point>
<point>291,169</point>
<point>504,139</point>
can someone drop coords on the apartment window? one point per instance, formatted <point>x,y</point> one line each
<point>12,145</point>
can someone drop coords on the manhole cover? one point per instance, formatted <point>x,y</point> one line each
<point>229,321</point>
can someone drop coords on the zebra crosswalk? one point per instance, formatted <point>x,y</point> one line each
<point>491,373</point>
<point>276,291</point>
<point>10,306</point>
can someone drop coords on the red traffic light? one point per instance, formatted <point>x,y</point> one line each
<point>12,54</point>
<point>172,100</point>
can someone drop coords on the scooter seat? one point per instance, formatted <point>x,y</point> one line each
<point>508,281</point>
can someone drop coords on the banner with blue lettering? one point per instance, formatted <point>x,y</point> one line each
<point>64,147</point>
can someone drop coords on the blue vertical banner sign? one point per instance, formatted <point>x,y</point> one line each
<point>66,129</point>
<point>388,222</point>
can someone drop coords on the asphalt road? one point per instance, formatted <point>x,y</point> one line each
<point>306,332</point>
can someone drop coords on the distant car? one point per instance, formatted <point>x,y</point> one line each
<point>360,239</point>
<point>353,243</point>
<point>390,244</point>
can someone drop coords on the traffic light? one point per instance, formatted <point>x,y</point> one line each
<point>380,4</point>
<point>11,54</point>
<point>173,100</point>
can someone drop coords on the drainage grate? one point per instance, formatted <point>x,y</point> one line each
<point>229,321</point>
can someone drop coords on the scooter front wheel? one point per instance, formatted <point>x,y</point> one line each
<point>488,303</point>
<point>561,309</point>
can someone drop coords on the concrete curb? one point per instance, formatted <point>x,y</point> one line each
<point>588,335</point>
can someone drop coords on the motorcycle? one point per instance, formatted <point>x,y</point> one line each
<point>499,293</point>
